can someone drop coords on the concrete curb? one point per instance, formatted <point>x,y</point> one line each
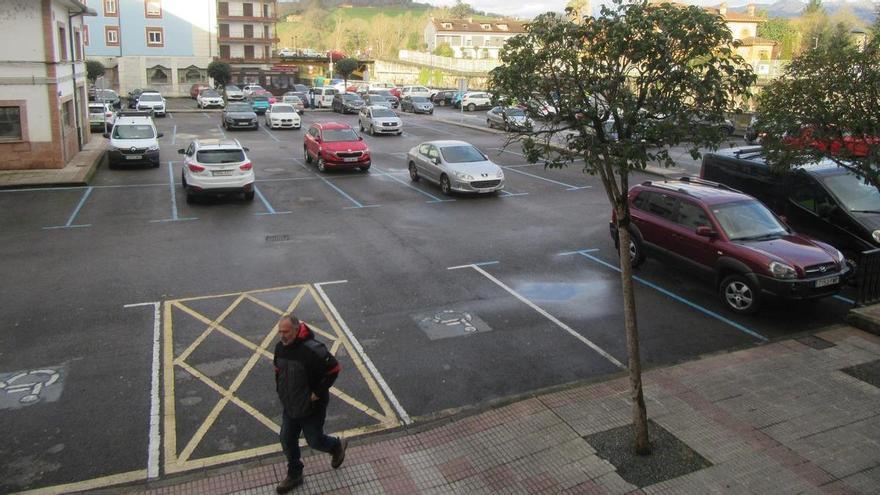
<point>865,318</point>
<point>77,173</point>
<point>469,126</point>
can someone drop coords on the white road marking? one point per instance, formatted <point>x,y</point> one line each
<point>155,417</point>
<point>545,314</point>
<point>360,350</point>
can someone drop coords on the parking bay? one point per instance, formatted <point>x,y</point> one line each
<point>440,339</point>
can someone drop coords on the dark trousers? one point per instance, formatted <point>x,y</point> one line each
<point>312,427</point>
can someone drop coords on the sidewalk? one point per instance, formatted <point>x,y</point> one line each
<point>77,172</point>
<point>785,417</point>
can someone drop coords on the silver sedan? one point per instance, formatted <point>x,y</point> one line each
<point>456,166</point>
<point>509,119</point>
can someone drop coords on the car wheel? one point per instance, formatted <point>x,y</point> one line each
<point>306,155</point>
<point>739,294</point>
<point>372,130</point>
<point>431,112</point>
<point>249,196</point>
<point>321,166</point>
<point>471,107</point>
<point>636,254</point>
<point>507,127</point>
<point>190,198</point>
<point>256,126</point>
<point>183,179</point>
<point>489,123</point>
<point>155,164</point>
<point>360,127</point>
<point>364,169</point>
<point>445,186</point>
<point>413,172</point>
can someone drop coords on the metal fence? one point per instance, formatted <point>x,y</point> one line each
<point>868,278</point>
<point>478,66</point>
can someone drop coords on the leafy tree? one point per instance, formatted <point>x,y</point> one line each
<point>813,6</point>
<point>444,50</point>
<point>834,91</point>
<point>345,67</point>
<point>460,10</point>
<point>638,75</point>
<point>782,31</point>
<point>94,70</point>
<point>221,72</point>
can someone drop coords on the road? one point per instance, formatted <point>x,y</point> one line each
<point>153,317</point>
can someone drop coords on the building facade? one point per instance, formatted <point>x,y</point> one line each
<point>469,38</point>
<point>744,26</point>
<point>43,95</point>
<point>246,38</point>
<point>160,44</point>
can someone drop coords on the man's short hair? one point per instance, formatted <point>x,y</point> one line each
<point>291,318</point>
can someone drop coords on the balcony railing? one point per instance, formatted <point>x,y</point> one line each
<point>246,18</point>
<point>245,60</point>
<point>455,64</point>
<point>252,39</point>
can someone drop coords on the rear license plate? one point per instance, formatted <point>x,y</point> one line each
<point>221,172</point>
<point>133,157</point>
<point>825,282</point>
<point>347,160</point>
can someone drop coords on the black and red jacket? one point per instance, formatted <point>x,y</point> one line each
<point>304,367</point>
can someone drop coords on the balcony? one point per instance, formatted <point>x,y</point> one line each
<point>251,40</point>
<point>245,18</point>
<point>243,60</point>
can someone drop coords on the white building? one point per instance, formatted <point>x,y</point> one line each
<point>43,96</point>
<point>469,38</point>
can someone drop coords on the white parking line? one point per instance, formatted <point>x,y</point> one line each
<point>155,417</point>
<point>263,128</point>
<point>543,313</point>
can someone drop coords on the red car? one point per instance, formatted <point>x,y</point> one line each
<point>733,239</point>
<point>395,91</point>
<point>266,93</point>
<point>335,146</point>
<point>856,146</point>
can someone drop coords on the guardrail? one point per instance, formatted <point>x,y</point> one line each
<point>477,66</point>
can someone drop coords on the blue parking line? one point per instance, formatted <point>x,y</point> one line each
<point>569,186</point>
<point>508,194</point>
<point>434,198</point>
<point>174,216</point>
<point>844,299</point>
<point>345,195</point>
<point>709,312</point>
<point>69,224</point>
<point>271,211</point>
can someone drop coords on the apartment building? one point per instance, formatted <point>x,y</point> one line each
<point>43,105</point>
<point>161,44</point>
<point>471,39</point>
<point>246,36</point>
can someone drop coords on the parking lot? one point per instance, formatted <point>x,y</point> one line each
<point>156,316</point>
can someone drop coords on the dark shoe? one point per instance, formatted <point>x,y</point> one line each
<point>339,455</point>
<point>289,483</point>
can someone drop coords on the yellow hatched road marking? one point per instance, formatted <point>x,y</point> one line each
<point>220,328</point>
<point>314,328</point>
<point>213,324</point>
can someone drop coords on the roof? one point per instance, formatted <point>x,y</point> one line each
<point>327,126</point>
<point>754,154</point>
<point>441,144</point>
<point>218,143</point>
<point>756,41</point>
<point>707,192</point>
<point>493,26</point>
<point>729,15</point>
<point>134,119</point>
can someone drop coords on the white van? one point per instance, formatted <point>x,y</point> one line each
<point>322,97</point>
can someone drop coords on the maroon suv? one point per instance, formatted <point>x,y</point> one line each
<point>335,146</point>
<point>733,237</point>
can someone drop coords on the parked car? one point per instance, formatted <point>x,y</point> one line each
<point>286,52</point>
<point>386,101</point>
<point>233,93</point>
<point>209,98</point>
<point>334,145</point>
<point>133,140</point>
<point>395,92</point>
<point>378,119</point>
<point>457,166</point>
<point>347,103</point>
<point>151,102</point>
<point>443,98</point>
<point>101,116</point>
<point>833,141</point>
<point>732,239</point>
<point>260,103</point>
<point>282,116</point>
<point>215,166</point>
<point>476,100</point>
<point>322,97</point>
<point>266,93</point>
<point>134,94</point>
<point>294,101</point>
<point>416,104</point>
<point>415,91</point>
<point>197,88</point>
<point>248,89</point>
<point>822,200</point>
<point>109,97</point>
<point>300,88</point>
<point>238,115</point>
<point>509,119</point>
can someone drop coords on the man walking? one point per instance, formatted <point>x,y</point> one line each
<point>304,372</point>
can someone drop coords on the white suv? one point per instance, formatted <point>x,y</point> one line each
<point>415,91</point>
<point>248,89</point>
<point>133,139</point>
<point>152,102</point>
<point>478,99</point>
<point>217,166</point>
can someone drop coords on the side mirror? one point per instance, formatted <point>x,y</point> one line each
<point>160,134</point>
<point>706,231</point>
<point>106,135</point>
<point>360,138</point>
<point>181,151</point>
<point>436,160</point>
<point>318,139</point>
<point>246,148</point>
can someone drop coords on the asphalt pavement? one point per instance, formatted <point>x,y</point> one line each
<point>152,317</point>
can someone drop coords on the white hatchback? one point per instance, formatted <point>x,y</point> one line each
<point>217,166</point>
<point>282,116</point>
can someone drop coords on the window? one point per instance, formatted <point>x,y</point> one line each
<point>248,10</point>
<point>67,113</point>
<point>248,30</point>
<point>155,36</point>
<point>10,123</point>
<point>249,52</point>
<point>223,9</point>
<point>224,30</point>
<point>111,35</point>
<point>225,53</point>
<point>191,74</point>
<point>62,42</point>
<point>153,9</point>
<point>158,75</point>
<point>85,35</point>
<point>691,216</point>
<point>110,8</point>
<point>659,204</point>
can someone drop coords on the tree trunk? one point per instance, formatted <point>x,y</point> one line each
<point>640,415</point>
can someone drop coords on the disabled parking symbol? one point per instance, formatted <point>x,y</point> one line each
<point>23,388</point>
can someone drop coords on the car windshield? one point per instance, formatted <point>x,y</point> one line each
<point>419,99</point>
<point>96,108</point>
<point>853,193</point>
<point>292,99</point>
<point>461,154</point>
<point>150,97</point>
<point>220,156</point>
<point>254,87</point>
<point>239,107</point>
<point>233,88</point>
<point>748,220</point>
<point>210,93</point>
<point>351,97</point>
<point>282,109</point>
<point>334,135</point>
<point>133,132</point>
<point>382,112</point>
<point>107,94</point>
<point>260,98</point>
<point>515,112</point>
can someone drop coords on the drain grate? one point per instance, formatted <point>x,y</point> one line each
<point>866,372</point>
<point>277,237</point>
<point>815,342</point>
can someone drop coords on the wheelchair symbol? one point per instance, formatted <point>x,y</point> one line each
<point>451,317</point>
<point>34,386</point>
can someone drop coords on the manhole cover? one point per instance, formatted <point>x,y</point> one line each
<point>446,323</point>
<point>277,237</point>
<point>815,342</point>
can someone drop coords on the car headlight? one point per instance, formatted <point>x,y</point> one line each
<point>463,176</point>
<point>876,235</point>
<point>155,147</point>
<point>781,270</point>
<point>500,174</point>
<point>840,257</point>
